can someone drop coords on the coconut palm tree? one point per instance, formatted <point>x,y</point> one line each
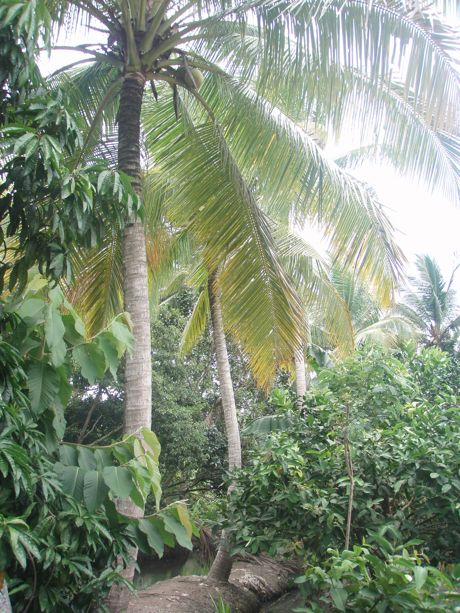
<point>431,306</point>
<point>371,321</point>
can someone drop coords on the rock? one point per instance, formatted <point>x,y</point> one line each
<point>251,583</point>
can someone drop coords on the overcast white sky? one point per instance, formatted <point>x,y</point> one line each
<point>425,222</point>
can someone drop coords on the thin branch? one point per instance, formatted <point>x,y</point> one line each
<point>102,438</point>
<point>92,408</point>
<point>349,463</point>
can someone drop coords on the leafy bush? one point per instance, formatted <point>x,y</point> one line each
<point>293,494</point>
<point>371,579</point>
<point>57,554</point>
<point>62,541</point>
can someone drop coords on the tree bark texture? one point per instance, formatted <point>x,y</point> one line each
<point>222,565</point>
<point>138,369</point>
<point>301,380</point>
<point>225,379</point>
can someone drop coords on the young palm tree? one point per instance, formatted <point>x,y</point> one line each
<point>370,321</point>
<point>431,306</point>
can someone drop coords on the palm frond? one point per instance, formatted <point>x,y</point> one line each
<point>196,324</point>
<point>215,203</point>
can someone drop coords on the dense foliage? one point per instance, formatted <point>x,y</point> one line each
<point>51,197</point>
<point>62,542</point>
<point>369,578</point>
<point>293,495</point>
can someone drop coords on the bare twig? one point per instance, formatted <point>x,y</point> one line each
<point>92,408</point>
<point>349,463</point>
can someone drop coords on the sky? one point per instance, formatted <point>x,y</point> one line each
<point>425,222</point>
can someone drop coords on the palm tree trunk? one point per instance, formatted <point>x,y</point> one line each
<point>301,379</point>
<point>138,369</point>
<point>222,564</point>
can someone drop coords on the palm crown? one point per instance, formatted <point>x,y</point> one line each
<point>431,306</point>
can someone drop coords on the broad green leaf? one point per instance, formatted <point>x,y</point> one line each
<point>420,575</point>
<point>32,307</point>
<point>154,537</point>
<point>174,527</point>
<point>54,334</point>
<point>16,546</point>
<point>184,518</point>
<point>86,459</point>
<point>339,597</point>
<point>71,335</point>
<point>103,458</point>
<point>139,452</point>
<point>91,360</point>
<point>59,422</point>
<point>68,455</point>
<point>122,333</point>
<point>94,490</point>
<point>167,537</point>
<point>137,497</point>
<point>106,343</point>
<point>72,480</point>
<point>152,441</point>
<point>29,544</point>
<point>43,383</point>
<point>119,480</point>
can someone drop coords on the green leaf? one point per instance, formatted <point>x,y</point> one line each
<point>106,343</point>
<point>174,527</point>
<point>91,360</point>
<point>339,597</point>
<point>119,480</point>
<point>43,383</point>
<point>72,336</point>
<point>184,518</point>
<point>72,480</point>
<point>152,441</point>
<point>17,547</point>
<point>22,141</point>
<point>154,537</point>
<point>103,458</point>
<point>94,490</point>
<point>86,459</point>
<point>68,455</point>
<point>54,334</point>
<point>122,333</point>
<point>420,575</point>
<point>32,308</point>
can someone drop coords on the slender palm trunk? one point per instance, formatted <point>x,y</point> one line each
<point>222,564</point>
<point>301,378</point>
<point>138,370</point>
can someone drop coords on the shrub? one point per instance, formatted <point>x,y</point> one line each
<point>293,494</point>
<point>371,579</point>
